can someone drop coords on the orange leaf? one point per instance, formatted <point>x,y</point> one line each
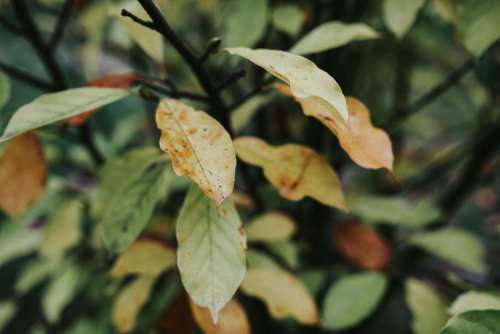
<point>22,174</point>
<point>232,319</point>
<point>362,245</point>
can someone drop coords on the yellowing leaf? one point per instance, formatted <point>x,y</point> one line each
<point>144,257</point>
<point>399,15</point>
<point>295,171</point>
<point>211,251</point>
<point>199,147</point>
<point>318,93</point>
<point>283,293</point>
<point>232,319</point>
<point>272,226</point>
<point>129,303</point>
<point>331,35</point>
<point>22,174</point>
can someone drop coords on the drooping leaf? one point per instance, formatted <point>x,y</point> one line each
<point>211,250</point>
<point>199,147</point>
<point>331,35</point>
<point>23,174</point>
<point>352,299</point>
<point>288,18</point>
<point>4,90</point>
<point>232,319</point>
<point>284,294</point>
<point>50,108</point>
<point>453,245</point>
<point>246,13</point>
<point>427,307</point>
<point>295,171</point>
<point>319,94</point>
<point>474,301</point>
<point>474,322</point>
<point>144,257</point>
<point>272,226</point>
<point>362,245</point>
<point>399,15</point>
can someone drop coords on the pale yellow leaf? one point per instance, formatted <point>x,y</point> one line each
<point>199,147</point>
<point>232,319</point>
<point>272,226</point>
<point>294,170</point>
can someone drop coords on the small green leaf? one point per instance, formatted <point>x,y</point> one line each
<point>288,18</point>
<point>50,108</point>
<point>399,15</point>
<point>33,273</point>
<point>246,14</point>
<point>4,90</point>
<point>243,114</point>
<point>474,322</point>
<point>17,240</point>
<point>474,301</point>
<point>352,299</point>
<point>8,310</point>
<point>211,250</point>
<point>333,35</point>
<point>427,307</point>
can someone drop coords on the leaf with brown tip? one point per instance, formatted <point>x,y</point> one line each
<point>232,319</point>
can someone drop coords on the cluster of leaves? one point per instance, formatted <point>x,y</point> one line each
<point>123,221</point>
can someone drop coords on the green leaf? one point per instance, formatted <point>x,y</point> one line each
<point>33,273</point>
<point>474,301</point>
<point>288,18</point>
<point>331,35</point>
<point>50,108</point>
<point>271,226</point>
<point>17,240</point>
<point>399,15</point>
<point>247,23</point>
<point>4,90</point>
<point>474,322</point>
<point>8,310</point>
<point>130,210</point>
<point>211,250</point>
<point>352,299</point>
<point>287,250</point>
<point>427,307</point>
<point>454,245</point>
<point>243,114</point>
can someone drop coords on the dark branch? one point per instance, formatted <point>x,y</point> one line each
<point>61,24</point>
<point>212,47</point>
<point>25,77</point>
<point>250,94</point>
<point>175,93</point>
<point>147,24</point>
<point>232,79</point>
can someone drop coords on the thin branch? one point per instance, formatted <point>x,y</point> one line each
<point>174,93</point>
<point>212,47</point>
<point>232,79</point>
<point>147,24</point>
<point>256,90</point>
<point>61,24</point>
<point>25,77</point>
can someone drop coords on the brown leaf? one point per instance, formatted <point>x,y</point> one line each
<point>177,319</point>
<point>23,174</point>
<point>232,319</point>
<point>362,245</point>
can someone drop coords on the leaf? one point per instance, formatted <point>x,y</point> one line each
<point>317,92</point>
<point>352,299</point>
<point>474,301</point>
<point>287,250</point>
<point>129,302</point>
<point>63,231</point>
<point>8,311</point>
<point>474,322</point>
<point>144,257</point>
<point>17,240</point>
<point>177,318</point>
<point>244,113</point>
<point>362,245</point>
<point>232,319</point>
<point>247,13</point>
<point>33,273</point>
<point>130,211</point>
<point>453,245</point>
<point>427,307</point>
<point>295,171</point>
<point>4,90</point>
<point>199,147</point>
<point>332,35</point>
<point>23,174</point>
<point>284,294</point>
<point>288,18</point>
<point>50,108</point>
<point>272,226</point>
<point>211,250</point>
<point>399,15</point>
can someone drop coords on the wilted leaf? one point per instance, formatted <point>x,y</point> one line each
<point>295,171</point>
<point>272,226</point>
<point>427,307</point>
<point>283,293</point>
<point>232,319</point>
<point>362,245</point>
<point>317,92</point>
<point>129,302</point>
<point>288,18</point>
<point>211,251</point>
<point>331,35</point>
<point>4,90</point>
<point>399,15</point>
<point>144,257</point>
<point>473,322</point>
<point>474,301</point>
<point>352,299</point>
<point>50,108</point>
<point>199,147</point>
<point>453,245</point>
<point>246,13</point>
<point>22,174</point>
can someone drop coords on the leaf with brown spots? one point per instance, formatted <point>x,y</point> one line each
<point>200,148</point>
<point>362,245</point>
<point>23,174</point>
<point>232,319</point>
<point>294,170</point>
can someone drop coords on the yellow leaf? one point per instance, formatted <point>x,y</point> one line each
<point>272,226</point>
<point>22,174</point>
<point>199,147</point>
<point>283,293</point>
<point>294,170</point>
<point>144,257</point>
<point>232,319</point>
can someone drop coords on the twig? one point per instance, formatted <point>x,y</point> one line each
<point>61,24</point>
<point>25,77</point>
<point>256,90</point>
<point>147,24</point>
<point>232,79</point>
<point>212,47</point>
<point>174,92</point>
